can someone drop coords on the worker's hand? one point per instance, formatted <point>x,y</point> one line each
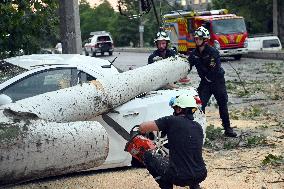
<point>148,126</point>
<point>212,63</point>
<point>157,58</point>
<point>183,56</point>
<point>184,80</point>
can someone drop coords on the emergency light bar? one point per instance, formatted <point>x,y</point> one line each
<point>212,12</point>
<point>192,13</point>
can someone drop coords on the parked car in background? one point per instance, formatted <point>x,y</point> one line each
<point>264,43</point>
<point>31,75</point>
<point>100,42</point>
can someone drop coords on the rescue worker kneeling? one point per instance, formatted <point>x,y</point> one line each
<point>185,165</point>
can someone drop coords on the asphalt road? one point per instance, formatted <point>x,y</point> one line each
<point>127,60</point>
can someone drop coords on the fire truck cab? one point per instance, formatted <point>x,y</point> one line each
<point>228,32</point>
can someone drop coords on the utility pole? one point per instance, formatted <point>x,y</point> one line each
<point>275,17</point>
<point>141,26</point>
<point>280,6</point>
<point>70,32</point>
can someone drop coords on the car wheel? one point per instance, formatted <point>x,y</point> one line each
<point>94,54</point>
<point>161,141</point>
<point>86,53</point>
<point>110,53</point>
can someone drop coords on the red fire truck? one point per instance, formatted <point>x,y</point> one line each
<point>228,32</point>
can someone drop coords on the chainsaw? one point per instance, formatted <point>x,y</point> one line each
<point>138,144</point>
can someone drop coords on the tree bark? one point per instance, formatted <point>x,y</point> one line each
<point>280,21</point>
<point>275,17</point>
<point>70,27</point>
<point>33,148</point>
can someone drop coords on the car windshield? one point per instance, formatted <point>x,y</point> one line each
<point>229,26</point>
<point>8,71</point>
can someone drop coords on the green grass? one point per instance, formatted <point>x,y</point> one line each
<point>273,160</point>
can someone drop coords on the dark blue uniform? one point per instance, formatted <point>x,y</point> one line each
<point>185,166</point>
<point>209,69</point>
<point>168,54</point>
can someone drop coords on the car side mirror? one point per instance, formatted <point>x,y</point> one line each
<point>106,66</point>
<point>4,99</point>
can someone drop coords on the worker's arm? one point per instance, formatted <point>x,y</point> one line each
<point>148,127</point>
<point>150,60</point>
<point>192,60</point>
<point>215,70</point>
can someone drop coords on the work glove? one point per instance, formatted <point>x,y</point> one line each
<point>157,58</point>
<point>183,56</point>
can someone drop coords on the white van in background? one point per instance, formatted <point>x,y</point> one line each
<point>264,43</point>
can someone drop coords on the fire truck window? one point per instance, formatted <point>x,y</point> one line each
<point>228,26</point>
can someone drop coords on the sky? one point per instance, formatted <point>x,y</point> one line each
<point>112,2</point>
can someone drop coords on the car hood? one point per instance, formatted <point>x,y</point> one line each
<point>30,62</point>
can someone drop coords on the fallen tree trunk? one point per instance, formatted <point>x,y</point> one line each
<point>31,149</point>
<point>83,102</point>
<point>36,142</point>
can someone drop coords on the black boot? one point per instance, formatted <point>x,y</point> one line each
<point>229,132</point>
<point>196,186</point>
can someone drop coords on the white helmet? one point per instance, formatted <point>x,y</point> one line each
<point>162,36</point>
<point>202,32</point>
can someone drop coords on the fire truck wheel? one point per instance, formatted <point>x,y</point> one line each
<point>238,57</point>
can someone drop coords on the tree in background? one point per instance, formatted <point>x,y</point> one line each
<point>151,27</point>
<point>257,13</point>
<point>95,19</point>
<point>123,29</point>
<point>27,26</point>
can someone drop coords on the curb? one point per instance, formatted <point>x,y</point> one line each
<point>138,50</point>
<point>279,55</point>
<point>273,55</point>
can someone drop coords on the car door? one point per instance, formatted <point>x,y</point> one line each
<point>41,82</point>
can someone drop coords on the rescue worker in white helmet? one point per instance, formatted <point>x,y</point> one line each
<point>185,165</point>
<point>206,60</point>
<point>162,42</point>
